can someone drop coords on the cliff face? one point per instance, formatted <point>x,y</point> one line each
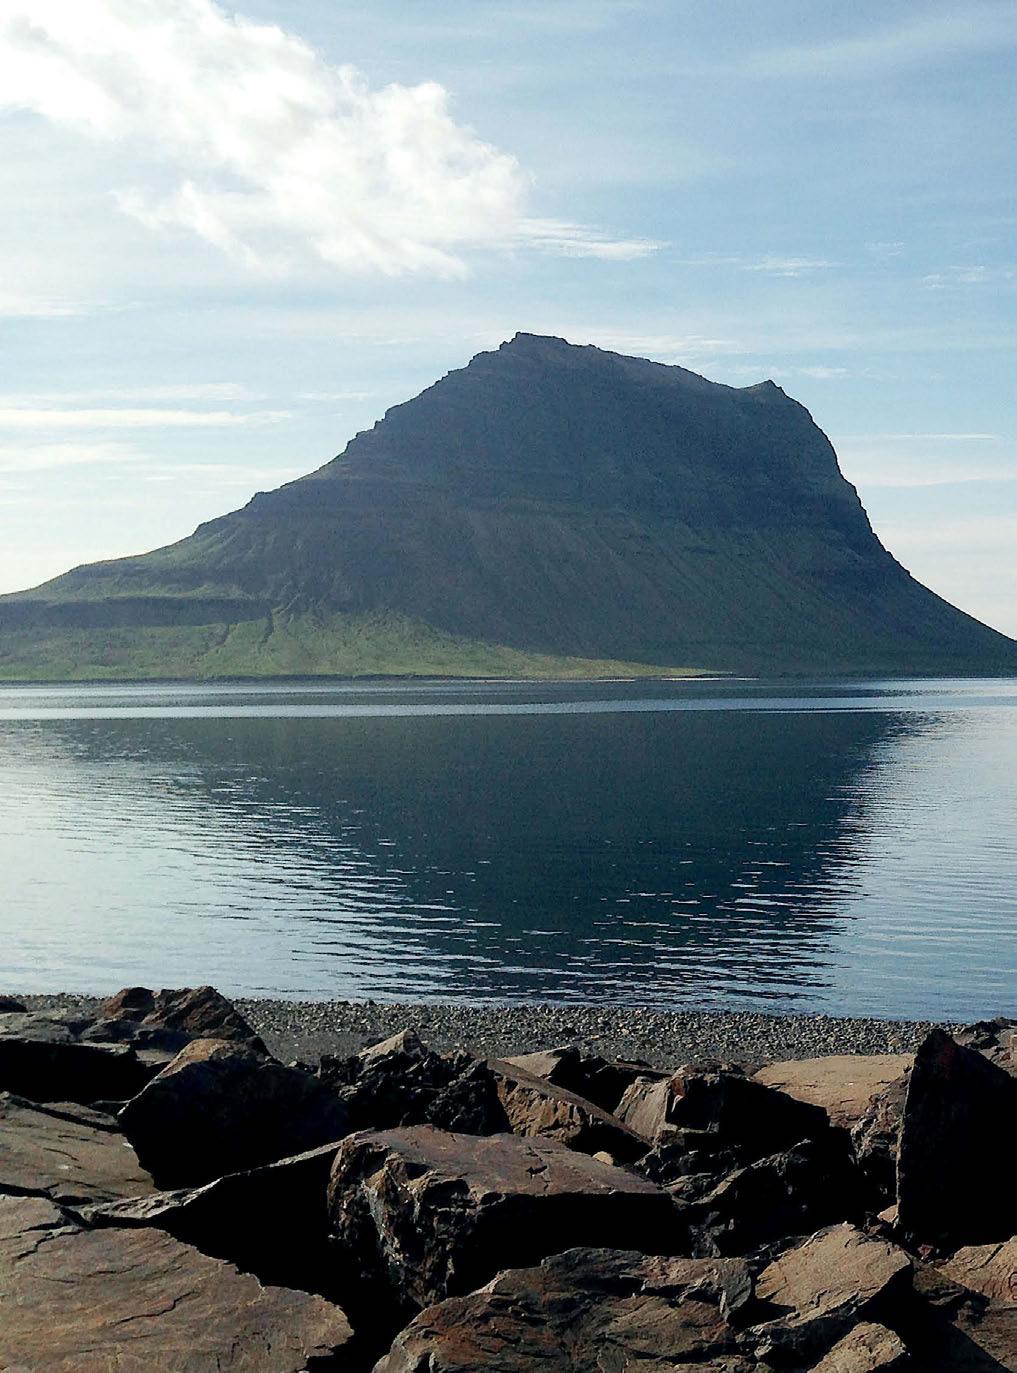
<point>559,500</point>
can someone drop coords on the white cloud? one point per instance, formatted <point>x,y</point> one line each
<point>253,142</point>
<point>18,417</point>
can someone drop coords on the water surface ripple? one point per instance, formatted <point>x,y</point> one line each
<point>841,847</point>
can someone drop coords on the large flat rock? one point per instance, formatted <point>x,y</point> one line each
<point>842,1084</point>
<point>987,1268</point>
<point>826,1285</point>
<point>587,1310</point>
<point>868,1348</point>
<point>67,1153</point>
<point>430,1214</point>
<point>117,1301</point>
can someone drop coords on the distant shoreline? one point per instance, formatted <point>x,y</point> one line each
<point>306,1029</point>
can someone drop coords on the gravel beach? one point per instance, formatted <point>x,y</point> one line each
<point>307,1029</point>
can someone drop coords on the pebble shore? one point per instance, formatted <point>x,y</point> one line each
<point>306,1029</point>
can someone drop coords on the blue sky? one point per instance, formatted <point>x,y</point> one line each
<point>231,238</point>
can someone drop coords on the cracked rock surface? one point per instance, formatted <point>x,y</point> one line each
<point>67,1153</point>
<point>93,1301</point>
<point>432,1214</point>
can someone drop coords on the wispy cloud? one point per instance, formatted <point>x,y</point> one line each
<point>921,40</point>
<point>975,274</point>
<point>25,417</point>
<point>256,144</point>
<point>789,266</point>
<point>211,391</point>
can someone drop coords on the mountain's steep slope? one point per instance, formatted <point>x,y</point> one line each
<point>554,501</point>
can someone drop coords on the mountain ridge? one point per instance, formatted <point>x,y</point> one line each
<point>551,501</point>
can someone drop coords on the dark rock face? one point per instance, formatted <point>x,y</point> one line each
<point>41,1058</point>
<point>824,1287</point>
<point>80,1301</point>
<point>793,1193</point>
<point>586,1310</point>
<point>493,1096</point>
<point>432,1214</point>
<point>736,1109</point>
<point>876,1139</point>
<point>66,1154</point>
<point>567,500</point>
<point>594,1078</point>
<point>948,1194</point>
<point>392,1083</point>
<point>220,1108</point>
<point>995,1039</point>
<point>9,1003</point>
<point>270,1221</point>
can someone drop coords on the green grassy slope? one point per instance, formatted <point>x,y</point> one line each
<point>337,646</point>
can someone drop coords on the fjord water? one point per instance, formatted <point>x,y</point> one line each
<point>846,847</point>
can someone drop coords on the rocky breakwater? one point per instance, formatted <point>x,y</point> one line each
<point>174,1198</point>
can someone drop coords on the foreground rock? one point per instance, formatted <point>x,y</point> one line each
<point>270,1221</point>
<point>842,1084</point>
<point>81,1301</point>
<point>66,1153</point>
<point>430,1214</point>
<point>587,1310</point>
<point>221,1108</point>
<point>949,1193</point>
<point>826,1286</point>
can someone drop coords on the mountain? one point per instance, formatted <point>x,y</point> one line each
<point>548,509</point>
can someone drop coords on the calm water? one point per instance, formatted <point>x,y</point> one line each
<point>849,848</point>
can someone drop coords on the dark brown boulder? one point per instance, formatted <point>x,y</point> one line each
<point>948,1191</point>
<point>222,1108</point>
<point>587,1310</point>
<point>793,1193</point>
<point>393,1083</point>
<point>429,1214</point>
<point>735,1108</point>
<point>493,1096</point>
<point>66,1153</point>
<point>825,1286</point>
<point>270,1221</point>
<point>600,1080</point>
<point>88,1301</point>
<point>185,1012</point>
<point>41,1059</point>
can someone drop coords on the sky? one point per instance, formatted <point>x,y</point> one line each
<point>231,238</point>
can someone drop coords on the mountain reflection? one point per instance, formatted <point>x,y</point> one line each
<point>649,858</point>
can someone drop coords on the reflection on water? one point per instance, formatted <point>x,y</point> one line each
<point>847,848</point>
